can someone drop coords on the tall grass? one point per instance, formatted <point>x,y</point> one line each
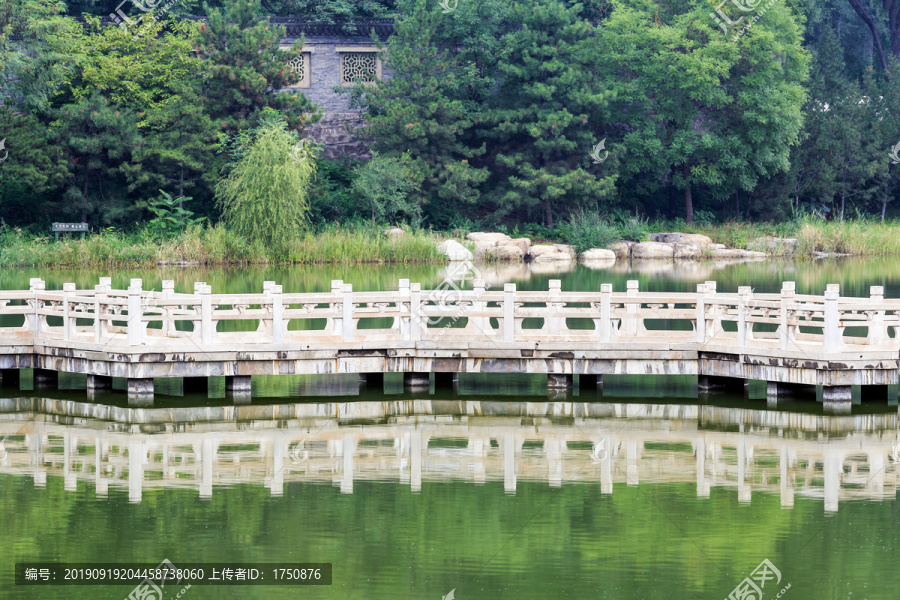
<point>214,245</point>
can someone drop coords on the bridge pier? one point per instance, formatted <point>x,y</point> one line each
<point>10,378</point>
<point>238,388</point>
<point>415,380</point>
<point>44,378</point>
<point>99,382</point>
<point>195,385</point>
<point>140,392</point>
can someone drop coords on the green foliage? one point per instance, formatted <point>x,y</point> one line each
<point>384,183</point>
<point>170,217</point>
<point>266,196</point>
<point>586,230</point>
<point>632,228</point>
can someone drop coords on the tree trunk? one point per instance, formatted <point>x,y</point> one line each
<point>883,209</point>
<point>548,214</point>
<point>842,208</point>
<point>864,15</point>
<point>688,201</point>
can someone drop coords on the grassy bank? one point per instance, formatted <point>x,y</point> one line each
<point>214,246</point>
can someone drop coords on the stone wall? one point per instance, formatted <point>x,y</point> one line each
<point>335,130</point>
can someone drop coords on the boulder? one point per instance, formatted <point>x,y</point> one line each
<point>480,236</point>
<point>696,238</point>
<point>570,250</point>
<point>687,250</point>
<point>736,253</point>
<point>597,254</point>
<point>539,249</point>
<point>523,243</point>
<point>506,252</point>
<point>482,249</point>
<point>553,257</point>
<point>598,264</point>
<point>453,250</point>
<point>717,246</point>
<point>653,250</point>
<point>394,231</point>
<point>622,249</point>
<point>666,238</point>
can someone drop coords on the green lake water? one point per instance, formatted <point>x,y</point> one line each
<point>644,490</point>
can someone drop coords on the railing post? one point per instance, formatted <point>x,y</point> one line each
<point>101,326</point>
<point>553,306</point>
<point>743,333</point>
<point>606,312</point>
<point>416,324</point>
<point>68,321</point>
<point>168,289</point>
<point>480,325</point>
<point>713,326</point>
<point>700,325</point>
<point>36,285</point>
<point>336,285</point>
<point>831,328</point>
<point>347,295</point>
<point>509,312</point>
<point>403,323</point>
<point>275,293</point>
<point>631,308</point>
<point>788,289</point>
<point>206,324</point>
<point>877,331</point>
<point>134,334</point>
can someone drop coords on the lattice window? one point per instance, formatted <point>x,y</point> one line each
<point>301,66</point>
<point>359,67</point>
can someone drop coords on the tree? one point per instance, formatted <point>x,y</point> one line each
<point>889,16</point>
<point>266,196</point>
<point>385,184</point>
<point>700,109</point>
<point>247,70</point>
<point>546,111</point>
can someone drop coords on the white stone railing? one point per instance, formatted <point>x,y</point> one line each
<point>703,320</point>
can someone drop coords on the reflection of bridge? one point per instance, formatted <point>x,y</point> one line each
<point>785,339</point>
<point>834,457</point>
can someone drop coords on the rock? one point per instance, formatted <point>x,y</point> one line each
<point>480,236</point>
<point>774,245</point>
<point>666,238</point>
<point>482,249</point>
<point>598,264</point>
<point>681,238</point>
<point>829,254</point>
<point>622,249</point>
<point>570,250</point>
<point>453,250</point>
<point>394,231</point>
<point>653,250</point>
<point>688,250</point>
<point>696,238</point>
<point>553,257</point>
<point>597,254</point>
<point>717,246</point>
<point>523,243</point>
<point>506,252</point>
<point>736,253</point>
<point>538,249</point>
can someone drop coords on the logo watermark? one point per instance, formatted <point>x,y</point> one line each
<point>448,295</point>
<point>450,595</point>
<point>146,6</point>
<point>148,590</point>
<point>447,7</point>
<point>751,588</point>
<point>600,452</point>
<point>895,158</point>
<point>595,153</point>
<point>746,6</point>
<point>895,453</point>
<point>298,453</point>
<point>3,148</point>
<point>301,151</point>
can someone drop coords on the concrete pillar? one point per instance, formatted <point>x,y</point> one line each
<point>632,453</point>
<point>415,380</point>
<point>207,458</point>
<point>445,381</point>
<point>349,448</point>
<point>136,452</point>
<point>45,378</point>
<point>195,385</point>
<point>836,393</point>
<point>9,378</point>
<point>509,462</point>
<point>833,470</point>
<point>238,388</point>
<point>560,381</point>
<point>276,484</point>
<point>702,484</point>
<point>99,382</point>
<point>605,456</point>
<point>415,461</point>
<point>140,391</point>
<point>787,489</point>
<point>590,383</point>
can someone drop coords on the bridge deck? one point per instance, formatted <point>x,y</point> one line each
<point>784,338</point>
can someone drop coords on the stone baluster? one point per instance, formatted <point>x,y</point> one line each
<point>349,325</point>
<point>744,332</point>
<point>168,323</point>
<point>401,323</point>
<point>416,322</point>
<point>207,327</point>
<point>337,320</point>
<point>36,286</point>
<point>877,331</point>
<point>278,324</point>
<point>713,324</point>
<point>479,325</point>
<point>786,330</point>
<point>135,313</point>
<point>606,328</point>
<point>700,318</point>
<point>553,322</point>
<point>832,341</point>
<point>631,308</point>
<point>509,312</point>
<point>68,319</point>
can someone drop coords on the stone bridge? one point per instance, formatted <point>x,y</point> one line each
<point>789,340</point>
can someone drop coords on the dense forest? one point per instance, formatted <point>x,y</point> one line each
<point>499,112</point>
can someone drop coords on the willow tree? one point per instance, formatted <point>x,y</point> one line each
<point>266,196</point>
